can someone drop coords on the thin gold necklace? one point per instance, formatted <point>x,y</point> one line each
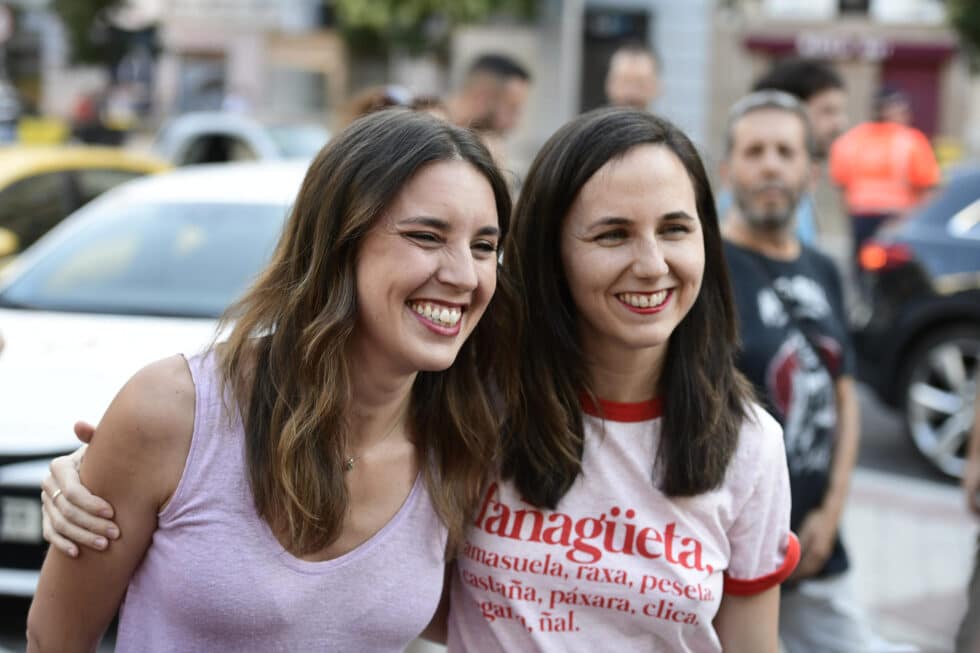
<point>350,460</point>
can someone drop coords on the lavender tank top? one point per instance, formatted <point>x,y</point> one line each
<point>215,578</point>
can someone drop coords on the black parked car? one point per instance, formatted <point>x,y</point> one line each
<point>920,347</point>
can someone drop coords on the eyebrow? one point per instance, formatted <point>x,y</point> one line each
<point>427,221</point>
<point>610,221</point>
<point>618,221</point>
<point>443,225</point>
<point>679,215</point>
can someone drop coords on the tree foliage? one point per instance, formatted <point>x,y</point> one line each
<point>416,25</point>
<point>964,16</point>
<point>85,27</point>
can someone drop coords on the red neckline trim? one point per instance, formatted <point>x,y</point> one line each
<point>616,411</point>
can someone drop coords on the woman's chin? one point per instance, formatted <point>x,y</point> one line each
<point>435,363</point>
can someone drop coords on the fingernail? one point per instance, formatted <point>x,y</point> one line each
<point>101,542</point>
<point>72,552</point>
<point>105,512</point>
<point>113,532</point>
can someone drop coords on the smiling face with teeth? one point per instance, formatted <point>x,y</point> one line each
<point>427,270</point>
<point>633,255</point>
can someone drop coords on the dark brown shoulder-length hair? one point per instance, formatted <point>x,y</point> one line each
<point>703,395</point>
<point>286,358</point>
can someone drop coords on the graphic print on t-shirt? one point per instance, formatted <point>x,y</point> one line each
<point>586,562</point>
<point>798,380</point>
<point>618,565</point>
<point>802,392</point>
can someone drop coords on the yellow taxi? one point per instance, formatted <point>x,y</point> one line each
<point>40,185</point>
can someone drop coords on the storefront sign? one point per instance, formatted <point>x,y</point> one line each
<point>822,45</point>
<point>843,47</point>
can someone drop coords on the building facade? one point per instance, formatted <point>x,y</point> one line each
<point>711,51</point>
<point>904,44</point>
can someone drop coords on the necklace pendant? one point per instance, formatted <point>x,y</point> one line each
<point>349,464</point>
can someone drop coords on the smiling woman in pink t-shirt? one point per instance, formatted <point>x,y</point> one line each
<point>643,502</point>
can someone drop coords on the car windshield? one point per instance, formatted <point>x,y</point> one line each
<point>174,259</point>
<point>299,141</point>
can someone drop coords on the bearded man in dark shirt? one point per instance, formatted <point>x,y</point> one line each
<point>796,351</point>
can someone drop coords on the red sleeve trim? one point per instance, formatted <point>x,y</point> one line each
<point>747,587</point>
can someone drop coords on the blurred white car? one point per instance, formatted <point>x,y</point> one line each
<point>140,273</point>
<point>224,136</point>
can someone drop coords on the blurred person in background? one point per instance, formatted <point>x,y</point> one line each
<point>491,100</point>
<point>796,352</point>
<point>885,167</point>
<point>968,637</point>
<point>88,120</point>
<point>492,95</point>
<point>632,79</point>
<point>821,90</point>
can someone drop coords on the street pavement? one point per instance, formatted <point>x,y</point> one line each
<point>911,543</point>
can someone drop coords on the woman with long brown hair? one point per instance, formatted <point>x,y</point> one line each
<point>330,447</point>
<point>643,498</point>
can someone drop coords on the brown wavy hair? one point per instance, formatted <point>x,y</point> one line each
<point>286,358</point>
<point>703,396</point>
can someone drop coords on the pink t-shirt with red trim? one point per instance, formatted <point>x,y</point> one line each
<point>619,566</point>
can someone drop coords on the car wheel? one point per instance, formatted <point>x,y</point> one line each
<point>939,389</point>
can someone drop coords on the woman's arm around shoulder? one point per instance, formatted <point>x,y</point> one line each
<point>135,463</point>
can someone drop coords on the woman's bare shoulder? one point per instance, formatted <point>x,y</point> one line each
<point>158,400</point>
<point>147,430</point>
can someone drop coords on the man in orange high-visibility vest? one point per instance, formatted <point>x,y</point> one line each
<point>884,166</point>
